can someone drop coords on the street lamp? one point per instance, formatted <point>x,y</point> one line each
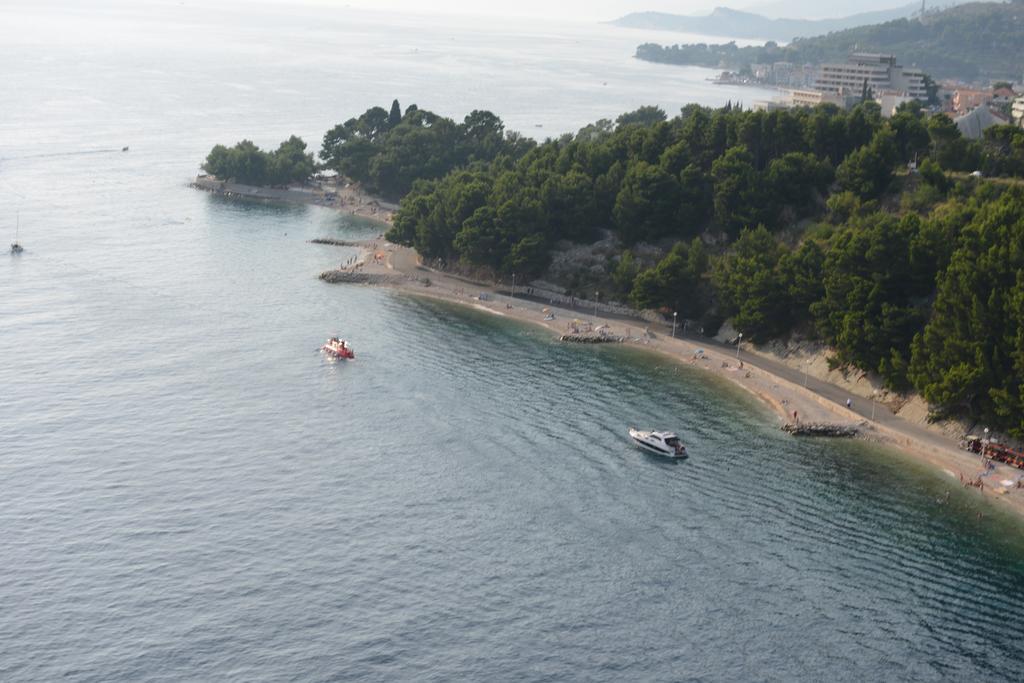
<point>675,314</point>
<point>807,364</point>
<point>984,443</point>
<point>739,340</point>
<point>874,395</point>
<point>513,285</point>
<point>597,296</point>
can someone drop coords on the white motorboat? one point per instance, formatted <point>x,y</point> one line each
<point>659,443</point>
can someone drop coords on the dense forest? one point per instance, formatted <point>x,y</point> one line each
<point>388,151</point>
<point>247,163</point>
<point>788,222</point>
<point>801,222</point>
<point>976,40</point>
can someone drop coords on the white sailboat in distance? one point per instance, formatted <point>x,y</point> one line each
<point>16,247</point>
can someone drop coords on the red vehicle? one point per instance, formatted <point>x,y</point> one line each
<point>338,348</point>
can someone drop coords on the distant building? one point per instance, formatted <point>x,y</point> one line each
<point>965,99</point>
<point>1003,95</point>
<point>782,73</point>
<point>802,98</point>
<point>770,105</point>
<point>972,125</point>
<point>1018,111</point>
<point>880,72</point>
<point>890,102</point>
<point>808,75</point>
<point>812,98</point>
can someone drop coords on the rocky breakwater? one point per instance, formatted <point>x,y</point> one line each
<point>356,276</point>
<point>336,243</point>
<point>821,429</point>
<point>591,338</point>
<point>294,194</point>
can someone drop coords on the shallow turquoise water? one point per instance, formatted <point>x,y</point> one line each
<point>189,492</point>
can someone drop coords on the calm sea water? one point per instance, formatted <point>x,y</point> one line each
<point>189,492</point>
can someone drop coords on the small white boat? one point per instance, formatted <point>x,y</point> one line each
<point>659,443</point>
<point>16,247</point>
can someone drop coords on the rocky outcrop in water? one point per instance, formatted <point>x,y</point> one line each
<point>820,429</point>
<point>335,243</point>
<point>591,338</point>
<point>355,277</point>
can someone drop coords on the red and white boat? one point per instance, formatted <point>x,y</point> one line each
<point>338,348</point>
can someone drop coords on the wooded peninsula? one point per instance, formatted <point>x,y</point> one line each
<point>971,41</point>
<point>798,223</point>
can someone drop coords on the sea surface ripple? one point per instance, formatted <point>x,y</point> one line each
<point>189,491</point>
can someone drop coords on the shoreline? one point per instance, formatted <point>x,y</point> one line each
<point>398,268</point>
<point>337,194</point>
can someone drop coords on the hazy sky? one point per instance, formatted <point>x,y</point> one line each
<point>605,10</point>
<point>587,10</point>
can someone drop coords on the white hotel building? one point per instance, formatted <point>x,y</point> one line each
<point>882,72</point>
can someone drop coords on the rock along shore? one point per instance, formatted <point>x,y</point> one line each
<point>821,429</point>
<point>357,277</point>
<point>335,193</point>
<point>591,338</point>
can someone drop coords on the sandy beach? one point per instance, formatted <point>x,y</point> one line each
<point>795,398</point>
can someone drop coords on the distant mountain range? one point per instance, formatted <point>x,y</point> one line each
<point>970,41</point>
<point>816,9</point>
<point>736,24</point>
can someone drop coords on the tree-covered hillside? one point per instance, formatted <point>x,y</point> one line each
<point>386,151</point>
<point>803,222</point>
<point>738,24</point>
<point>389,151</point>
<point>976,40</point>
<point>787,221</point>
